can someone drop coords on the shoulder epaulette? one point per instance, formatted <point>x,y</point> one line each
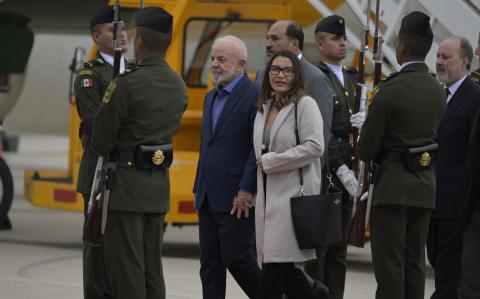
<point>129,70</point>
<point>433,74</point>
<point>350,69</point>
<point>94,62</point>
<point>475,75</point>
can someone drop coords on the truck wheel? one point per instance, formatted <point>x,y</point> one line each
<point>6,194</point>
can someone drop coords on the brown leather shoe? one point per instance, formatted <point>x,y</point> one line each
<point>319,290</point>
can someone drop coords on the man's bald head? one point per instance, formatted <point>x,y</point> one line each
<point>236,45</point>
<point>284,35</point>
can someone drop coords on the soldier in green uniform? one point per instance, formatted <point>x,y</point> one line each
<point>331,43</point>
<point>403,115</point>
<point>90,85</point>
<point>475,75</point>
<point>135,125</point>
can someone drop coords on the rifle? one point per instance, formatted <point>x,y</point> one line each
<point>104,171</point>
<point>360,87</point>
<point>361,209</point>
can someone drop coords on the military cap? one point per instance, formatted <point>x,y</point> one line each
<point>333,24</point>
<point>416,22</point>
<point>104,15</point>
<point>155,18</point>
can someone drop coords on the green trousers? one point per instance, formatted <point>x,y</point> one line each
<point>398,238</point>
<point>133,255</point>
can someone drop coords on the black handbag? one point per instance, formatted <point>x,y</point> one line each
<point>317,219</point>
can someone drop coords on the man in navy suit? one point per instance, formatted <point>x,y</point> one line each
<point>226,174</point>
<point>444,242</point>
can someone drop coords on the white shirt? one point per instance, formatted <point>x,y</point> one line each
<point>453,88</point>
<point>337,70</point>
<point>109,60</point>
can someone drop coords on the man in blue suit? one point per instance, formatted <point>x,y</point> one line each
<point>226,174</point>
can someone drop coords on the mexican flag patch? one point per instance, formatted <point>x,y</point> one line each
<point>86,83</point>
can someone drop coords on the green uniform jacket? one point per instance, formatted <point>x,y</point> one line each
<point>339,147</point>
<point>90,85</point>
<point>405,110</point>
<point>144,105</point>
<point>475,75</point>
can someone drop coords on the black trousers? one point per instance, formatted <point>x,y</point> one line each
<point>470,281</point>
<point>94,279</point>
<point>330,266</point>
<point>284,278</point>
<point>399,235</point>
<point>444,250</point>
<point>227,243</point>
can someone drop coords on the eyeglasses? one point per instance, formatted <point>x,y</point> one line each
<point>287,71</point>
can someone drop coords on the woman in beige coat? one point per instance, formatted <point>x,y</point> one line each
<point>278,159</point>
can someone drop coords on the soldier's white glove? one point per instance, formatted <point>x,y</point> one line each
<point>358,119</point>
<point>347,177</point>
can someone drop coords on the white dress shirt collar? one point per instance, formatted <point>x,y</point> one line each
<point>337,70</point>
<point>454,87</point>
<point>109,60</point>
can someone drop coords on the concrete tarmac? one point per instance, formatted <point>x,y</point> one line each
<point>41,257</point>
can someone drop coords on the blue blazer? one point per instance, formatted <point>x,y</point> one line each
<point>227,161</point>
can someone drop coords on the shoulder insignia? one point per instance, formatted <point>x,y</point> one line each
<point>94,62</point>
<point>375,90</point>
<point>129,70</point>
<point>86,82</point>
<point>475,75</point>
<point>85,72</point>
<point>108,93</point>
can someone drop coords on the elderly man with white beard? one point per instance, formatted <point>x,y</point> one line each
<point>226,174</point>
<point>444,244</point>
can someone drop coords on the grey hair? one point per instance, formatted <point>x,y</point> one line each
<point>465,50</point>
<point>239,46</point>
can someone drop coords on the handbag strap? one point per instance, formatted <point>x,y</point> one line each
<point>300,170</point>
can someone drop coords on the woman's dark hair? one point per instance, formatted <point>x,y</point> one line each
<point>298,84</point>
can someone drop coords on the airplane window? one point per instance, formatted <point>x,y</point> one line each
<point>199,37</point>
